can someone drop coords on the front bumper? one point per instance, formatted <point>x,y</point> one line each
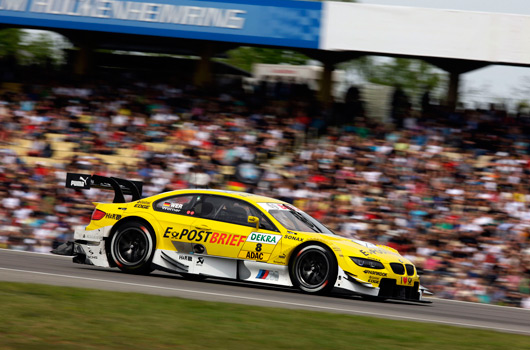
<point>387,288</point>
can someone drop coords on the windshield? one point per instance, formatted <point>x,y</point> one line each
<point>294,219</point>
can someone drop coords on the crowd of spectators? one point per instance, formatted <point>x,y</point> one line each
<point>451,192</point>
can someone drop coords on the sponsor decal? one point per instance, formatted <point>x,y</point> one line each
<point>91,254</point>
<point>185,257</point>
<point>265,238</point>
<point>94,236</point>
<point>82,182</point>
<point>227,239</point>
<point>278,206</point>
<point>142,204</point>
<point>173,207</point>
<point>244,254</point>
<point>372,279</point>
<point>293,238</point>
<point>376,273</point>
<point>406,280</point>
<point>200,261</point>
<point>268,275</point>
<point>112,216</point>
<point>205,236</point>
<point>364,253</point>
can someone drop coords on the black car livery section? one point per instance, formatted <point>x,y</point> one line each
<point>121,187</point>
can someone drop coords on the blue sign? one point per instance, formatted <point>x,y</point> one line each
<point>281,23</point>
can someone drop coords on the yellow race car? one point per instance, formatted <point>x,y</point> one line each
<point>201,233</point>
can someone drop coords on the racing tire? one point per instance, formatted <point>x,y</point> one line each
<point>132,248</point>
<point>314,270</point>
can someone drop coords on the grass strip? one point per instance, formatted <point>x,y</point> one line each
<point>46,317</point>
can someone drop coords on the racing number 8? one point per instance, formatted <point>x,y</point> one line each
<point>258,247</point>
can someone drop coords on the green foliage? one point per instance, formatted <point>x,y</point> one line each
<point>413,75</point>
<point>10,40</point>
<point>244,57</point>
<point>40,48</point>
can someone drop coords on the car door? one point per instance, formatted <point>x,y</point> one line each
<point>176,214</point>
<point>232,236</point>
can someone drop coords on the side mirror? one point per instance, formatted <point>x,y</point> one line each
<point>254,220</point>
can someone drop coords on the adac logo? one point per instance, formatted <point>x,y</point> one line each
<point>260,256</point>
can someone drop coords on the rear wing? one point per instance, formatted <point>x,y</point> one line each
<point>121,187</point>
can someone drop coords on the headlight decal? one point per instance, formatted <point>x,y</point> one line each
<point>367,263</point>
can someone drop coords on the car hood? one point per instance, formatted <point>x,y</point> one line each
<point>362,249</point>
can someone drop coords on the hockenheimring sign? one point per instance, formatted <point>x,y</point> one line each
<point>290,23</point>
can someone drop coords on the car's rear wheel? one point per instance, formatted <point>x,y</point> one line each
<point>314,269</point>
<point>132,247</point>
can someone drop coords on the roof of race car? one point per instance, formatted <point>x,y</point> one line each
<point>243,195</point>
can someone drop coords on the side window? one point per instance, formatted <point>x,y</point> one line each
<point>264,222</point>
<point>226,209</point>
<point>232,210</point>
<point>182,205</point>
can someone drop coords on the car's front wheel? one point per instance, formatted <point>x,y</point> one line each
<point>314,269</point>
<point>132,247</point>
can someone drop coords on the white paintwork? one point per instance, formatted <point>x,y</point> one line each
<point>491,37</point>
<point>93,235</point>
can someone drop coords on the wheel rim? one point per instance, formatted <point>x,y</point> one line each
<point>312,269</point>
<point>131,246</point>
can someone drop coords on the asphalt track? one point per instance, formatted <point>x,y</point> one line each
<point>58,270</point>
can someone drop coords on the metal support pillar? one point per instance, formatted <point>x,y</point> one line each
<point>203,76</point>
<point>84,60</point>
<point>452,90</point>
<point>326,84</point>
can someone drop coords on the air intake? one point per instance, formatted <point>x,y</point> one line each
<point>397,268</point>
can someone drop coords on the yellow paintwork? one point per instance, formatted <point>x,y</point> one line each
<point>245,242</point>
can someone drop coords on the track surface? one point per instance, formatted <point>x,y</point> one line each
<point>57,270</point>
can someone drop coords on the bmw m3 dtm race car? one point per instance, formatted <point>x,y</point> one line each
<point>202,233</point>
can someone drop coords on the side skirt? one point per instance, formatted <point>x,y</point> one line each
<point>212,266</point>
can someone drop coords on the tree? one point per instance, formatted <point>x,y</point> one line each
<point>10,40</point>
<point>42,49</point>
<point>244,57</point>
<point>31,47</point>
<point>413,75</point>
